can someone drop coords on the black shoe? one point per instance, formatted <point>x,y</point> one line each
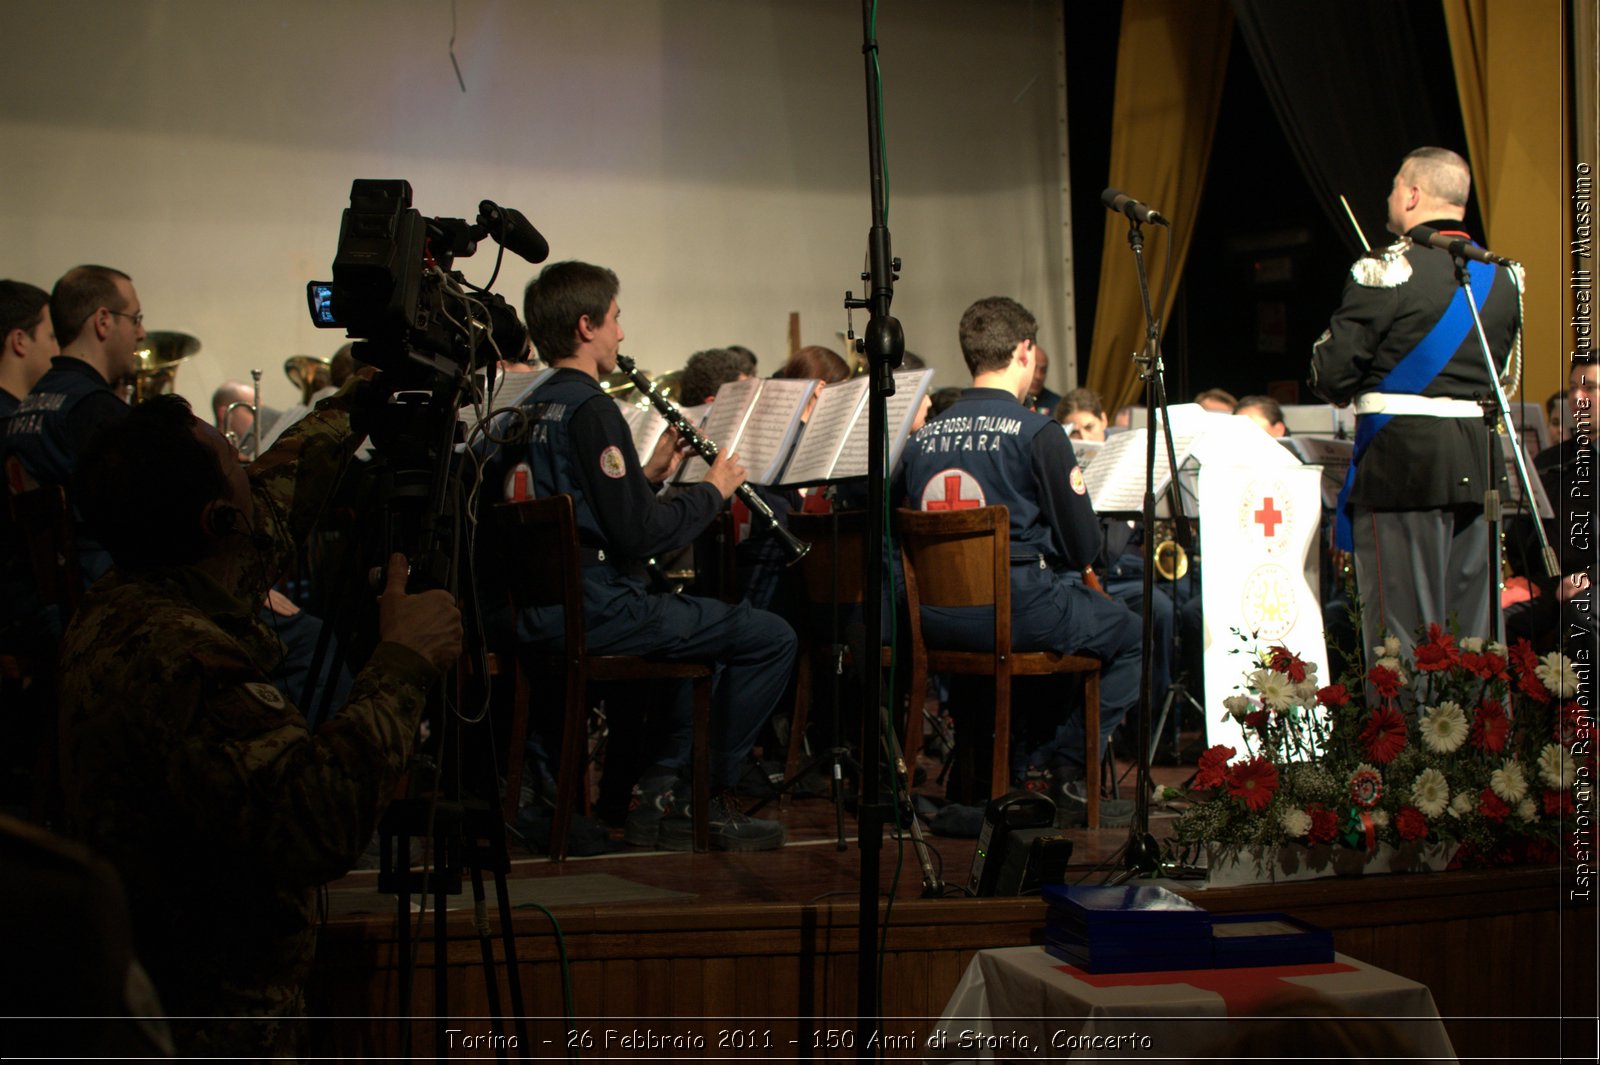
<point>1072,807</point>
<point>731,829</point>
<point>653,802</point>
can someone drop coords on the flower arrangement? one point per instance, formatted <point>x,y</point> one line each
<point>1468,743</point>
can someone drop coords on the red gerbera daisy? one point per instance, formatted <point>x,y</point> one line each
<point>1526,661</point>
<point>1384,735</point>
<point>1439,652</point>
<point>1411,824</point>
<point>1557,803</point>
<point>1490,726</point>
<point>1213,767</point>
<point>1490,806</point>
<point>1256,718</point>
<point>1324,823</point>
<point>1333,695</point>
<point>1255,781</point>
<point>1485,666</point>
<point>1288,664</point>
<point>1385,680</point>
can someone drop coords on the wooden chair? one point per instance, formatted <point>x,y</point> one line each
<point>834,570</point>
<point>958,558</point>
<point>539,539</point>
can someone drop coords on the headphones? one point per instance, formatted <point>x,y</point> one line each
<point>224,520</point>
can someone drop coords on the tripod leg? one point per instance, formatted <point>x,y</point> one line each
<point>491,982</point>
<point>931,887</point>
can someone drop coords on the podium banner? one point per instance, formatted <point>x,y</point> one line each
<point>1258,532</point>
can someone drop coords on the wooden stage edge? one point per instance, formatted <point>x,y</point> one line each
<point>1510,966</point>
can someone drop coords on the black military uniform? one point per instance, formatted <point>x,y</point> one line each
<point>1403,348</point>
<point>579,445</point>
<point>989,449</point>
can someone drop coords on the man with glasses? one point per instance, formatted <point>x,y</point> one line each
<point>100,328</point>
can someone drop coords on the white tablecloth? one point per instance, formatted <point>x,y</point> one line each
<point>1023,1004</point>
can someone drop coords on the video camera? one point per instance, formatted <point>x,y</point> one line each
<point>393,287</point>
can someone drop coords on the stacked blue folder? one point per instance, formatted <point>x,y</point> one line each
<point>1126,929</point>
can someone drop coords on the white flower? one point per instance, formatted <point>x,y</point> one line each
<point>1556,673</point>
<point>1295,821</point>
<point>1495,648</point>
<point>1509,782</point>
<point>1274,688</point>
<point>1389,648</point>
<point>1527,811</point>
<point>1472,645</point>
<point>1555,766</point>
<point>1380,818</point>
<point>1393,663</point>
<point>1305,693</point>
<point>1461,805</point>
<point>1444,728</point>
<point>1238,706</point>
<point>1431,792</point>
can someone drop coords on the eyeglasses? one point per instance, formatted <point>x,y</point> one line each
<point>136,319</point>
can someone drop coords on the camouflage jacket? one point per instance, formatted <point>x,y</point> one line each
<point>202,784</point>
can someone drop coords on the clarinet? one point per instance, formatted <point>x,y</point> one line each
<point>793,546</point>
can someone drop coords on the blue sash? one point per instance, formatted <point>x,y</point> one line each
<point>1413,373</point>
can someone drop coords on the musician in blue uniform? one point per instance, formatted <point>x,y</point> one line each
<point>989,449</point>
<point>579,445</point>
<point>1402,347</point>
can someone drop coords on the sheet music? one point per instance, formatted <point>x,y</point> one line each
<point>770,427</point>
<point>1086,450</point>
<point>820,445</point>
<point>1116,480</point>
<point>1513,488</point>
<point>646,424</point>
<point>511,390</point>
<point>1332,454</point>
<point>901,410</point>
<point>723,425</point>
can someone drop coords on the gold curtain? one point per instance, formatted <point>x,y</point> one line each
<point>1172,58</point>
<point>1511,69</point>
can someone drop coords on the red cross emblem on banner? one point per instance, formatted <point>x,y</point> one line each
<point>952,489</point>
<point>1268,517</point>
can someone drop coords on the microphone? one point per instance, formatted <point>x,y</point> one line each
<point>513,232</point>
<point>1121,202</point>
<point>1458,246</point>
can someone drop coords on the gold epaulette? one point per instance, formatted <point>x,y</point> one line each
<point>1385,268</point>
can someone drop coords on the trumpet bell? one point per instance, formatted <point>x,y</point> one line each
<point>1171,560</point>
<point>158,362</point>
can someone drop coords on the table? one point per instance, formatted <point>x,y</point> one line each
<point>1024,1004</point>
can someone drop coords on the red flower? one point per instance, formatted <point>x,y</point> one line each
<point>1333,695</point>
<point>1490,806</point>
<point>1571,724</point>
<point>1324,823</point>
<point>1439,652</point>
<point>1485,666</point>
<point>1411,824</point>
<point>1526,660</point>
<point>1557,803</point>
<point>1255,781</point>
<point>1384,735</point>
<point>1213,767</point>
<point>1490,727</point>
<point>1256,718</point>
<point>1288,664</point>
<point>1385,680</point>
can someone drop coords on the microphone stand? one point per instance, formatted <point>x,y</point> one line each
<point>885,345</point>
<point>1497,409</point>
<point>1140,854</point>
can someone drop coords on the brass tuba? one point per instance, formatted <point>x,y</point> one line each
<point>158,363</point>
<point>309,374</point>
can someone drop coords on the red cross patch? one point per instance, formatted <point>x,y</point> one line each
<point>952,489</point>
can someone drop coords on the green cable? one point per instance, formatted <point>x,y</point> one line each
<point>566,968</point>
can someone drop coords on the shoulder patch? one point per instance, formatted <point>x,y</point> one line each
<point>1388,268</point>
<point>266,694</point>
<point>1075,479</point>
<point>612,464</point>
<point>952,489</point>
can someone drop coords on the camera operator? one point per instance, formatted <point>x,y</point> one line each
<point>181,763</point>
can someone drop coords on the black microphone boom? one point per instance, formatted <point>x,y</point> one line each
<point>1121,202</point>
<point>513,232</point>
<point>1456,245</point>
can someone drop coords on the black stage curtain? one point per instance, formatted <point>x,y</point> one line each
<point>1354,94</point>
